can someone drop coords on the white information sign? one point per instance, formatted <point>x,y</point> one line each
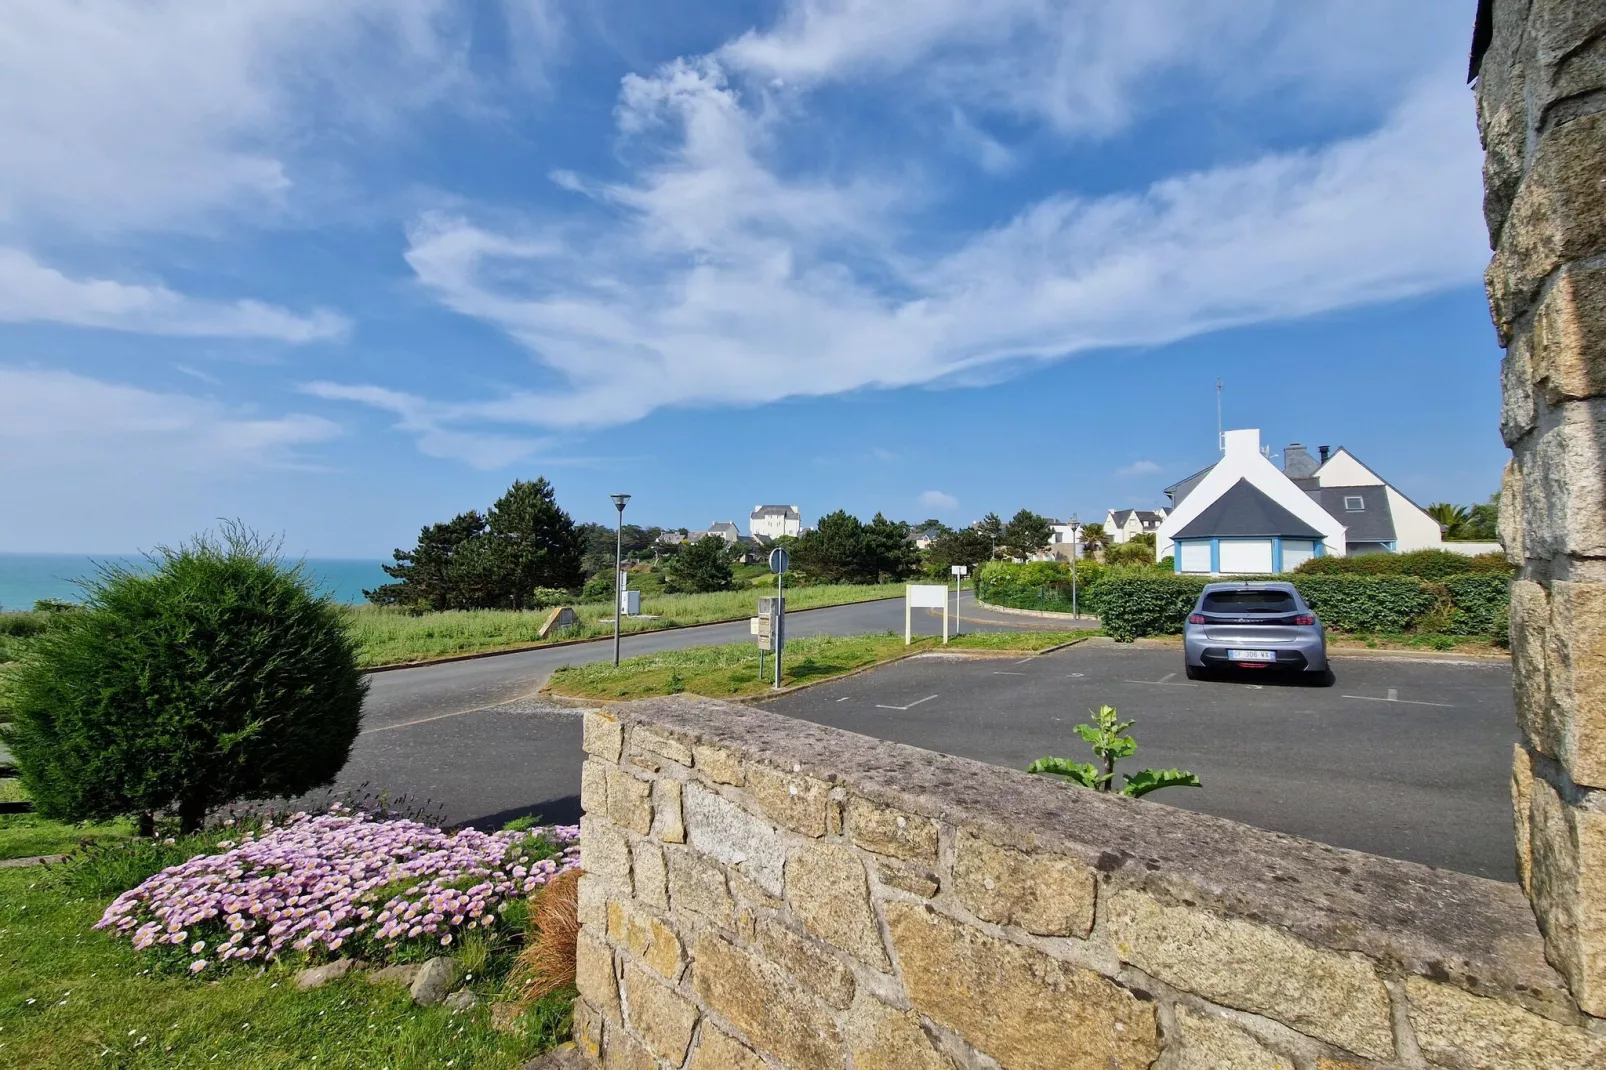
<point>924,596</point>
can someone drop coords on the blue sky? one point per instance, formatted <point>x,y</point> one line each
<point>342,270</point>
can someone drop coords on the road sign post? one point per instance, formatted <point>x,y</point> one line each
<point>780,560</point>
<point>959,571</point>
<point>924,596</point>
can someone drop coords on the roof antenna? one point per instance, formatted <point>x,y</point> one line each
<point>1221,436</point>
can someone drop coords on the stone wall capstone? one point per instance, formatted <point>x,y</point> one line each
<point>1541,98</point>
<point>761,892</point>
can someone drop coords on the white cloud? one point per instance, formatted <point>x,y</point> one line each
<point>485,451</point>
<point>714,280</point>
<point>32,292</point>
<point>1138,468</point>
<point>58,422</point>
<point>936,499</point>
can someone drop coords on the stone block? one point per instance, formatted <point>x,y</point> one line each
<point>1044,894</point>
<point>1569,336</point>
<point>646,937</point>
<point>1576,661</point>
<point>1563,483</point>
<point>699,889</point>
<point>1530,631</point>
<point>1510,522</point>
<point>887,831</point>
<point>1212,1044</point>
<point>670,824</point>
<point>1567,883</point>
<point>1522,790</point>
<point>911,879</point>
<point>718,765</point>
<point>1580,73</point>
<point>1457,1029</point>
<point>652,742</point>
<point>765,1004</point>
<point>602,735</point>
<point>594,977</point>
<point>818,970</point>
<point>650,875</point>
<point>661,1016</point>
<point>605,854</point>
<point>621,1051</point>
<point>830,894</point>
<point>1555,217</point>
<point>791,799</point>
<point>1503,126</point>
<point>594,788</point>
<point>718,1050</point>
<point>881,1038</point>
<point>629,801</point>
<point>1517,390</point>
<point>1329,995</point>
<point>588,1031</point>
<point>1022,1008</point>
<point>591,903</point>
<point>719,828</point>
<point>1559,27</point>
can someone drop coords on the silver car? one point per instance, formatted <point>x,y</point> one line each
<point>1255,627</point>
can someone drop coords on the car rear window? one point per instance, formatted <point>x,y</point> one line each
<point>1249,602</point>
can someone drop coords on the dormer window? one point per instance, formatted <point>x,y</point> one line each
<point>1354,504</point>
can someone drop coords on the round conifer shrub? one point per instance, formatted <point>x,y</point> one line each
<point>216,674</point>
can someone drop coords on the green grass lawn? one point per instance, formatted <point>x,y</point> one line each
<point>724,671</point>
<point>29,835</point>
<point>71,997</point>
<point>388,636</point>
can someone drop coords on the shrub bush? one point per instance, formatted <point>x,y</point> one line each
<point>1035,584</point>
<point>217,675</point>
<point>1424,564</point>
<point>1129,553</point>
<point>1369,603</point>
<point>1480,605</point>
<point>1131,607</point>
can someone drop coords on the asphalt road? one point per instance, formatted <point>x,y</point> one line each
<point>1405,758</point>
<point>472,737</point>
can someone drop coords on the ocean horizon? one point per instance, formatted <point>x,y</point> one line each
<point>29,578</point>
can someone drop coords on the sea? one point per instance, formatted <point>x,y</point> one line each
<point>27,578</point>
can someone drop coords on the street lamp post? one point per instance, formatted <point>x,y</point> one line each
<point>618,570</point>
<point>1075,549</point>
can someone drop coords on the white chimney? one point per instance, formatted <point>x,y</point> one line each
<point>1242,443</point>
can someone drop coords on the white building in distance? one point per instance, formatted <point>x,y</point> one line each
<point>774,521</point>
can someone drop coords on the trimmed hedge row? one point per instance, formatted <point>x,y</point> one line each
<point>1423,564</point>
<point>1474,604</point>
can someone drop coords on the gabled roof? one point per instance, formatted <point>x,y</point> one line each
<point>722,525</point>
<point>1179,490</point>
<point>1246,511</point>
<point>790,512</point>
<point>1373,522</point>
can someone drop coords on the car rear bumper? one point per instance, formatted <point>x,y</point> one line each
<point>1306,655</point>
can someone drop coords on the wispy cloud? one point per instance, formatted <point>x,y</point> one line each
<point>418,417</point>
<point>31,292</point>
<point>939,500</point>
<point>1138,468</point>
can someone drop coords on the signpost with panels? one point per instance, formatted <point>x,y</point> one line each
<point>924,596</point>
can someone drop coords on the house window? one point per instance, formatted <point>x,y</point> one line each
<point>1354,504</point>
<point>1195,555</point>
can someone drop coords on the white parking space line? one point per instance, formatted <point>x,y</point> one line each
<point>844,698</point>
<point>1002,672</point>
<point>1167,682</point>
<point>1166,678</point>
<point>1023,661</point>
<point>911,705</point>
<point>1393,696</point>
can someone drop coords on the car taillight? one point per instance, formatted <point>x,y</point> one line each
<point>1305,619</point>
<point>1196,618</point>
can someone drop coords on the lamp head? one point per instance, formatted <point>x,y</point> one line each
<point>619,501</point>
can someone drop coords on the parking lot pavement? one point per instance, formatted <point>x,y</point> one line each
<point>1405,758</point>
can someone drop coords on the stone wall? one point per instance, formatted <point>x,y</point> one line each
<point>766,892</point>
<point>1542,112</point>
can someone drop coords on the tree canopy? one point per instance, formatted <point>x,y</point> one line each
<point>1026,534</point>
<point>704,565</point>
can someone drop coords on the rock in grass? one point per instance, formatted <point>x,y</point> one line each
<point>461,1000</point>
<point>505,1017</point>
<point>435,979</point>
<point>403,974</point>
<point>562,1057</point>
<point>319,976</point>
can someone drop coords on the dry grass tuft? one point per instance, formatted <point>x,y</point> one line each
<point>547,962</point>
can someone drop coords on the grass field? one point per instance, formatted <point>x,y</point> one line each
<point>387,636</point>
<point>723,671</point>
<point>71,997</point>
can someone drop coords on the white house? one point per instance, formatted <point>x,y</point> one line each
<point>925,537</point>
<point>774,521</point>
<point>1244,515</point>
<point>723,529</point>
<point>1122,524</point>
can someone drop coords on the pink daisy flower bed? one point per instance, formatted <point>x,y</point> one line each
<point>343,880</point>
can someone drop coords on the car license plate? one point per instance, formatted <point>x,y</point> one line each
<point>1251,655</point>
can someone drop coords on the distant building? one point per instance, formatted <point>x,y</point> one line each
<point>671,538</point>
<point>925,537</point>
<point>1122,524</point>
<point>774,521</point>
<point>724,529</point>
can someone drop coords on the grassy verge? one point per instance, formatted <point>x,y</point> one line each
<point>1465,644</point>
<point>724,671</point>
<point>71,997</point>
<point>28,835</point>
<point>387,637</point>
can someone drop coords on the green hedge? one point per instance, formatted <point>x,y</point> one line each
<point>1035,584</point>
<point>1423,564</point>
<point>1470,604</point>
